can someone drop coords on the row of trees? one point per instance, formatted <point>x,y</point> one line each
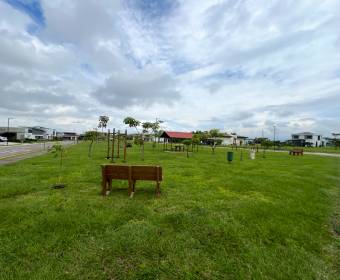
<point>153,129</point>
<point>143,128</point>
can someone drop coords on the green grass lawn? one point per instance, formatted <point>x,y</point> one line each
<point>272,218</point>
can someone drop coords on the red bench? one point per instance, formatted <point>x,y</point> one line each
<point>132,173</point>
<point>296,152</point>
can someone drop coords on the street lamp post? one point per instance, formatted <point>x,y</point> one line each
<point>8,129</point>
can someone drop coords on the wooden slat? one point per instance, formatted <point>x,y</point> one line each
<point>139,172</point>
<point>131,173</point>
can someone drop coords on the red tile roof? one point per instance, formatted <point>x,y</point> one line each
<point>175,134</point>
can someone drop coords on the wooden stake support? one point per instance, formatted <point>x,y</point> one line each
<point>113,145</point>
<point>125,143</point>
<point>120,138</point>
<point>108,144</point>
<point>118,143</point>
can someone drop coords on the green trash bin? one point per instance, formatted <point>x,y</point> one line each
<point>230,156</point>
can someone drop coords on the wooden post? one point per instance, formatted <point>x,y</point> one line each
<point>158,192</point>
<point>143,147</point>
<point>104,181</point>
<point>108,144</point>
<point>118,143</point>
<point>125,143</point>
<point>113,145</point>
<point>130,183</point>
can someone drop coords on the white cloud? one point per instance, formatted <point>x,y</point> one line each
<point>144,88</point>
<point>236,65</point>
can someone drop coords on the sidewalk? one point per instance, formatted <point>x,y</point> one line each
<point>13,153</point>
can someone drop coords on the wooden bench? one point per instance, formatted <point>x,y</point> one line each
<point>132,173</point>
<point>179,148</point>
<point>296,152</point>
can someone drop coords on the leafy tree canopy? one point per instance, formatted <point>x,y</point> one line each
<point>146,126</point>
<point>187,142</point>
<point>91,135</point>
<point>215,132</point>
<point>103,120</point>
<point>131,122</point>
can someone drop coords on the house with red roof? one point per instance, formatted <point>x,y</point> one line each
<point>170,137</point>
<point>176,135</point>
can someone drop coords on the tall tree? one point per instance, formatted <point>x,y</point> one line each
<point>58,151</point>
<point>131,122</point>
<point>215,132</point>
<point>187,143</point>
<point>92,136</point>
<point>155,130</point>
<point>146,127</point>
<point>196,140</point>
<point>103,120</point>
<point>154,127</point>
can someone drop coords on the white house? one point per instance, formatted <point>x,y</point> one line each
<point>304,139</point>
<point>336,136</point>
<point>73,136</point>
<point>231,139</point>
<point>330,141</point>
<point>36,133</point>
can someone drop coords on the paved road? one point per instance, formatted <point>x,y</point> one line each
<point>13,153</point>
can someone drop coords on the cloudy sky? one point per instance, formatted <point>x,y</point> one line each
<point>240,65</point>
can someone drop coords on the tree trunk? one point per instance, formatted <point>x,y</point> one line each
<point>141,146</point>
<point>90,149</point>
<point>213,148</point>
<point>143,150</point>
<point>61,166</point>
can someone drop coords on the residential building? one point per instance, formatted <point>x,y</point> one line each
<point>28,133</point>
<point>73,136</point>
<point>307,139</point>
<point>336,136</point>
<point>331,141</point>
<point>228,139</point>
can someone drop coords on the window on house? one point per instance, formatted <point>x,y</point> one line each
<point>295,136</point>
<point>309,137</point>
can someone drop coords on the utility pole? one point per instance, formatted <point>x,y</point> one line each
<point>8,128</point>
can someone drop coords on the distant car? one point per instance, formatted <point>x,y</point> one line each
<point>3,139</point>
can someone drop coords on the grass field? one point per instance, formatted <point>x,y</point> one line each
<point>332,150</point>
<point>272,218</point>
<point>327,150</point>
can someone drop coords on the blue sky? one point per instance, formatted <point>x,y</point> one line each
<point>29,7</point>
<point>241,66</point>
